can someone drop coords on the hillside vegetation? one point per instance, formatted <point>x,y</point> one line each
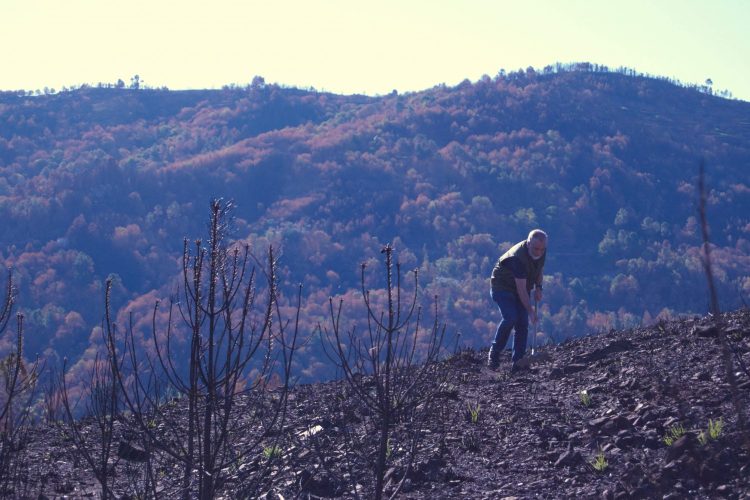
<point>106,182</point>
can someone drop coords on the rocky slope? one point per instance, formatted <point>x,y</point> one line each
<point>535,434</point>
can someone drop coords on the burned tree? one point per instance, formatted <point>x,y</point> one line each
<point>100,407</point>
<point>210,403</point>
<point>17,387</point>
<point>390,371</point>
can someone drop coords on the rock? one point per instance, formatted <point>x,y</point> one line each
<point>651,440</point>
<point>616,346</point>
<point>709,473</point>
<point>645,490</point>
<point>627,440</point>
<point>130,452</point>
<point>702,375</point>
<point>609,425</point>
<point>568,458</point>
<point>573,368</point>
<point>64,487</point>
<point>736,331</point>
<point>645,417</point>
<point>630,383</point>
<point>428,470</point>
<point>684,446</point>
<point>319,484</point>
<point>598,422</point>
<point>673,496</point>
<point>619,422</point>
<point>705,331</point>
<point>271,495</point>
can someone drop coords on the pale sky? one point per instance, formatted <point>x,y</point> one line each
<point>371,47</point>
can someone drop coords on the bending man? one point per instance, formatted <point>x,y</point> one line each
<point>517,271</point>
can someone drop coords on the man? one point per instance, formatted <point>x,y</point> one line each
<point>517,271</point>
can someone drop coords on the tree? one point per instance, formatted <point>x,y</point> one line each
<point>102,405</point>
<point>387,357</point>
<point>17,388</point>
<point>187,406</point>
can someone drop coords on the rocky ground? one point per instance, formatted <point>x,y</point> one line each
<point>588,419</point>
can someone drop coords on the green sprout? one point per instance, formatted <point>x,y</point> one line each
<point>474,412</point>
<point>715,428</point>
<point>703,438</point>
<point>675,432</point>
<point>271,452</point>
<point>600,463</point>
<point>585,398</point>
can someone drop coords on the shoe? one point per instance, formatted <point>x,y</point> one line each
<point>521,365</point>
<point>492,360</point>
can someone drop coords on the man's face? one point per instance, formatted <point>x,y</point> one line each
<point>537,248</point>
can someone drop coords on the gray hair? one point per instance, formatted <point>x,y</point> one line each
<point>537,234</point>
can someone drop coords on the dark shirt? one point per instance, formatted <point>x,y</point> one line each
<point>515,266</point>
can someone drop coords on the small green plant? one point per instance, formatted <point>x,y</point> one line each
<point>703,438</point>
<point>715,428</point>
<point>388,449</point>
<point>673,434</point>
<point>271,452</point>
<point>585,398</point>
<point>474,412</point>
<point>600,463</point>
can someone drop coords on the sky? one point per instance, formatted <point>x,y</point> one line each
<point>370,47</point>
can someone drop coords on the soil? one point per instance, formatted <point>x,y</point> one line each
<point>624,414</point>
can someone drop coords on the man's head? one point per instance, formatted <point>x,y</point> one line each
<point>537,243</point>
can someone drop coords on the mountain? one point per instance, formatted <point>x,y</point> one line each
<point>642,413</point>
<point>106,182</point>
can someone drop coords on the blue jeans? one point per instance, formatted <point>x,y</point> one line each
<point>514,316</point>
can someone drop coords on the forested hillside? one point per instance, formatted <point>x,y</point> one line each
<point>108,181</point>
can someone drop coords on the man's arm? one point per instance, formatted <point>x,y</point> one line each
<point>524,296</point>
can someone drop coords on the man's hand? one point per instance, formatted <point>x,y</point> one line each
<point>532,317</point>
<point>538,294</point>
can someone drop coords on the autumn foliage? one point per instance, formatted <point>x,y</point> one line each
<point>103,183</point>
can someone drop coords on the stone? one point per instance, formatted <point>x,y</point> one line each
<point>685,445</point>
<point>705,331</point>
<point>598,354</point>
<point>319,484</point>
<point>568,458</point>
<point>130,452</point>
<point>573,368</point>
